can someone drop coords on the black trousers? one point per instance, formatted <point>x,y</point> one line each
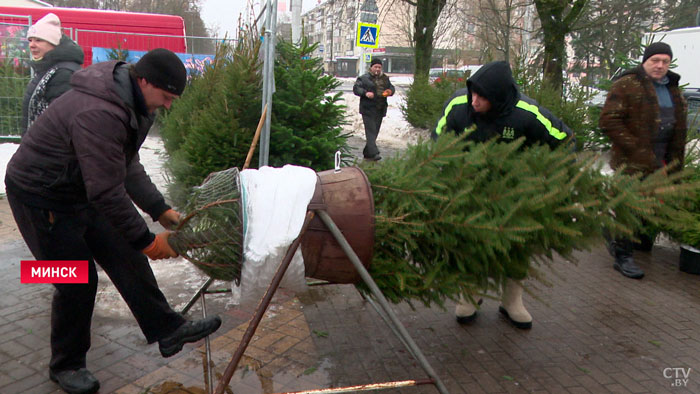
<point>624,247</point>
<point>87,235</point>
<point>372,125</point>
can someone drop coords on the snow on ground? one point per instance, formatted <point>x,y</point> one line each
<point>153,156</point>
<point>6,152</point>
<point>395,133</point>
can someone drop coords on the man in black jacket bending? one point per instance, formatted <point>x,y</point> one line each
<point>72,185</point>
<point>373,88</point>
<point>491,106</point>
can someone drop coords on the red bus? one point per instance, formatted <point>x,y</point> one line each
<point>107,29</point>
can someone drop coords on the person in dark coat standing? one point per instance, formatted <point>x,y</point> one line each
<point>373,87</point>
<point>492,107</point>
<point>54,59</point>
<point>72,185</point>
<point>645,118</point>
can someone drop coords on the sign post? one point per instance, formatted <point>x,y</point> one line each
<point>367,35</point>
<point>368,18</point>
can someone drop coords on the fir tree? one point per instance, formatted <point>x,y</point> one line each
<point>118,53</point>
<point>211,127</point>
<point>452,221</point>
<point>307,117</point>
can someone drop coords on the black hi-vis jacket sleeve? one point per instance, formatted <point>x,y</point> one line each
<point>528,119</point>
<point>455,115</point>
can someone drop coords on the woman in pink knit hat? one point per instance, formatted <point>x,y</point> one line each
<point>54,58</point>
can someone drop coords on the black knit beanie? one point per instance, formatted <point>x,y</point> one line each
<point>375,60</point>
<point>655,49</point>
<point>163,69</point>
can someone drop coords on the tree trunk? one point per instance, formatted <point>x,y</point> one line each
<point>557,18</point>
<point>554,58</point>
<point>427,14</point>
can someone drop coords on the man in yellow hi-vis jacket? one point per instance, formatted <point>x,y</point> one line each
<point>491,106</point>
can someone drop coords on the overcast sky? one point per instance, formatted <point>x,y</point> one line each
<point>222,15</point>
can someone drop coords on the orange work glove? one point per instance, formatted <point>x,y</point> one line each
<point>169,219</point>
<point>386,93</point>
<point>160,248</point>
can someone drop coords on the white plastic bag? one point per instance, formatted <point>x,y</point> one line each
<point>274,206</point>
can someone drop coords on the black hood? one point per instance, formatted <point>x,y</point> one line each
<point>494,81</point>
<point>66,51</point>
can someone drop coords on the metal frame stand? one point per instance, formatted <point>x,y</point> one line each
<point>388,315</point>
<point>208,369</point>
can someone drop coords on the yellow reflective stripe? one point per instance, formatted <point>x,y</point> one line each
<point>553,131</point>
<point>443,121</point>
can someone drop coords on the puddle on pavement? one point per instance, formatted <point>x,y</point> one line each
<point>251,378</point>
<point>174,388</point>
<point>292,377</point>
<point>312,296</point>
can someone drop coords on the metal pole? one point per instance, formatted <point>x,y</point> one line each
<point>207,347</point>
<point>196,295</point>
<point>296,21</point>
<point>268,80</point>
<point>331,66</point>
<point>326,219</point>
<point>262,307</point>
<point>365,387</point>
<point>267,34</point>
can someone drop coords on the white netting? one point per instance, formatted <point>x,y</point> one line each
<point>211,235</point>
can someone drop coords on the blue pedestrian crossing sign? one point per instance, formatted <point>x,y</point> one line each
<point>367,35</point>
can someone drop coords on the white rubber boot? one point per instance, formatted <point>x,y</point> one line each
<point>465,311</point>
<point>512,304</point>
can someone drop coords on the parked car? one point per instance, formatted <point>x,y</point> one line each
<point>470,70</point>
<point>693,98</point>
<point>437,74</point>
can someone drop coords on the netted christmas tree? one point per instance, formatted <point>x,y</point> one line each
<point>210,236</point>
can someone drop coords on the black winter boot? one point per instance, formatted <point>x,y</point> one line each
<point>624,262</point>
<point>79,381</point>
<point>191,331</point>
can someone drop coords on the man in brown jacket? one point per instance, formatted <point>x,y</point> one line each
<point>645,118</point>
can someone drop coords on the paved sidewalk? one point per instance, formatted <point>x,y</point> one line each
<point>594,331</point>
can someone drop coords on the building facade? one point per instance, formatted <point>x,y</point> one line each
<point>461,34</point>
<point>333,24</point>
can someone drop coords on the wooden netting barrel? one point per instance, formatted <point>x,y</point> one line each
<point>347,197</point>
